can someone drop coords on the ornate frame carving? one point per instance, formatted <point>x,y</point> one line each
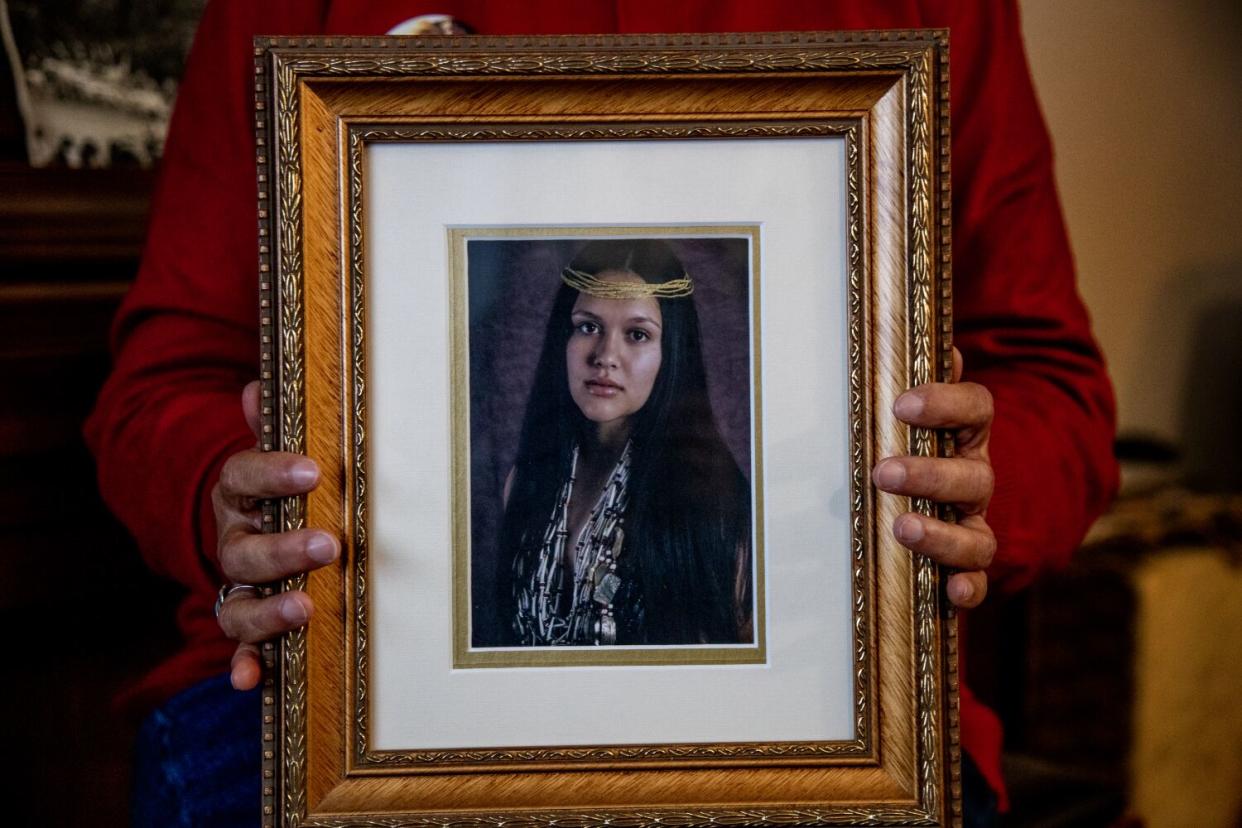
<point>887,94</point>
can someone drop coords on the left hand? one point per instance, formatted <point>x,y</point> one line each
<point>964,481</point>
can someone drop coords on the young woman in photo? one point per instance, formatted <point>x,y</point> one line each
<point>627,519</point>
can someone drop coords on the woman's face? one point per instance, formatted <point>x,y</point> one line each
<point>613,354</point>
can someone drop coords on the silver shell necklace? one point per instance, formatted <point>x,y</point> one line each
<point>589,618</point>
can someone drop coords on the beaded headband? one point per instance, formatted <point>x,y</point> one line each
<point>586,283</point>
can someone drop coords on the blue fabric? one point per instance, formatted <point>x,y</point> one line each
<point>978,800</point>
<point>197,760</point>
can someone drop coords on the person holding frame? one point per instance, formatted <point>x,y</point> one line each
<point>186,338</point>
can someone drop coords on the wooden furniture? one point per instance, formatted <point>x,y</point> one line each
<point>1121,691</point>
<point>80,614</point>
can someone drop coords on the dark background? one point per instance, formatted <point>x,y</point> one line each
<point>512,284</point>
<point>81,617</point>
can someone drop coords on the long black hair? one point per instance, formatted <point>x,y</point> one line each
<point>688,522</point>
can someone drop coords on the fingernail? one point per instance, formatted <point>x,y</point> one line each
<point>961,591</point>
<point>304,473</point>
<point>908,406</point>
<point>910,530</point>
<point>292,611</point>
<point>321,549</point>
<point>244,675</point>
<point>890,474</point>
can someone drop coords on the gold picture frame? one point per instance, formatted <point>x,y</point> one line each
<point>342,125</point>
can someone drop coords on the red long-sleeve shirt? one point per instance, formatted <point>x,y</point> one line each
<point>185,340</point>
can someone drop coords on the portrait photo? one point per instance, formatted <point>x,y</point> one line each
<point>611,460</point>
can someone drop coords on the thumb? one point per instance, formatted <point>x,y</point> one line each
<point>250,406</point>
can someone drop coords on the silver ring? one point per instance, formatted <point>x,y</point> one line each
<point>229,589</point>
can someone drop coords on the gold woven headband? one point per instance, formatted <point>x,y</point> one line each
<point>586,283</point>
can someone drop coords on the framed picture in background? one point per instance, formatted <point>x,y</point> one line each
<point>596,339</point>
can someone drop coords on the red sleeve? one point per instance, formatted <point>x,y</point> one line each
<point>184,342</point>
<point>1019,321</point>
<point>1020,324</point>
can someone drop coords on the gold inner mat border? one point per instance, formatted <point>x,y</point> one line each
<point>465,656</point>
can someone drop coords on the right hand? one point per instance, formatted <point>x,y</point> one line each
<point>247,556</point>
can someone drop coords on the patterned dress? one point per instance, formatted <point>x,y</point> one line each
<point>574,601</point>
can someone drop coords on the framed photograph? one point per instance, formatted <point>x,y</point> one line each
<point>596,340</point>
<point>504,307</point>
